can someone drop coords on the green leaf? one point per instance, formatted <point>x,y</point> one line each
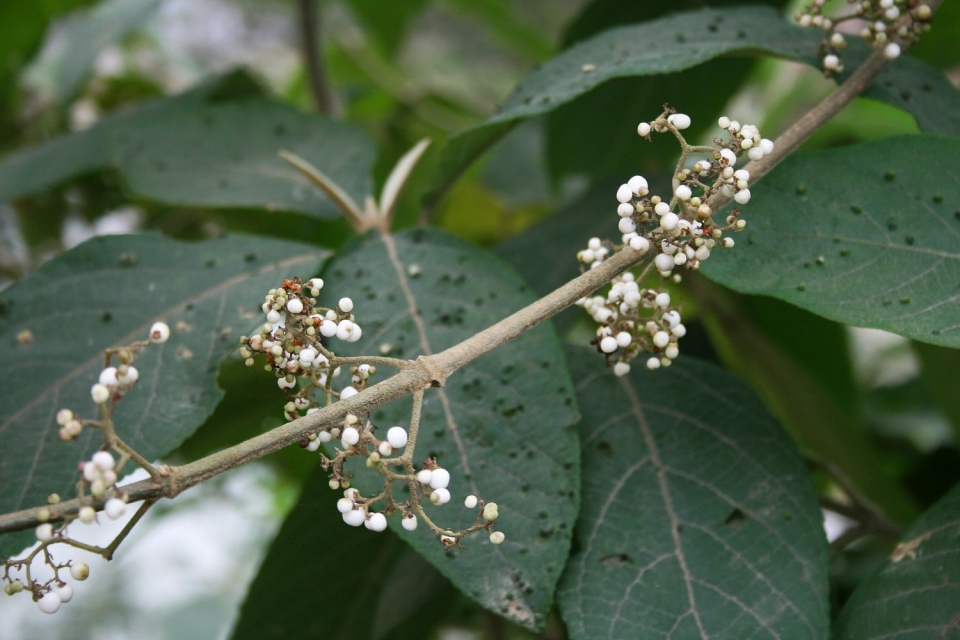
<point>683,41</point>
<point>190,152</point>
<point>914,595</point>
<point>605,148</point>
<point>387,21</point>
<point>62,74</point>
<point>323,579</point>
<point>106,293</point>
<point>22,25</point>
<point>865,235</point>
<point>804,390</point>
<point>699,519</point>
<point>502,425</point>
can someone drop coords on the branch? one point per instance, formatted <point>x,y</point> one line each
<point>323,97</point>
<point>433,370</point>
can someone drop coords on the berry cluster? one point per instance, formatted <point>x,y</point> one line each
<point>682,231</point>
<point>294,342</point>
<point>431,482</point>
<point>97,484</point>
<point>291,340</point>
<point>886,24</point>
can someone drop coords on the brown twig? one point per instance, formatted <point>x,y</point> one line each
<point>433,370</point>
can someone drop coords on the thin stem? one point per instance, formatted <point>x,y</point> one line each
<point>323,97</point>
<point>407,456</point>
<point>142,511</point>
<point>377,361</point>
<point>433,370</point>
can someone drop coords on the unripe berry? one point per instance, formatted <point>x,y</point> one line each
<point>79,571</point>
<point>99,393</point>
<point>44,532</point>
<point>87,514</point>
<point>491,511</point>
<point>497,537</point>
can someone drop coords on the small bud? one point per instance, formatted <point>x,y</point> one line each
<point>490,511</point>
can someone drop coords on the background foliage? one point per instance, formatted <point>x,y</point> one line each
<point>674,503</point>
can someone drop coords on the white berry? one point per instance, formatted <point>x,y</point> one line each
<point>439,479</point>
<point>159,332</point>
<point>470,501</point>
<point>79,571</point>
<point>49,603</point>
<point>376,522</point>
<point>350,437</point>
<point>497,537</point>
<point>354,518</point>
<point>100,393</point>
<point>397,437</point>
<point>64,591</point>
<point>114,508</point>
<point>409,522</point>
<point>104,460</point>
<point>679,120</point>
<point>45,532</point>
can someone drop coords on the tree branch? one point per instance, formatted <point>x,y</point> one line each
<point>433,370</point>
<point>323,97</point>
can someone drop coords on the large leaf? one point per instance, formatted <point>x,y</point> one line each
<point>915,595</point>
<point>699,519</point>
<point>364,583</point>
<point>191,152</point>
<point>613,109</point>
<point>682,41</point>
<point>62,72</point>
<point>502,425</point>
<point>866,235</point>
<point>106,293</point>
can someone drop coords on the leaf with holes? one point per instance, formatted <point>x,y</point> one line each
<point>376,582</point>
<point>502,425</point>
<point>915,594</point>
<point>56,322</point>
<point>866,235</point>
<point>699,519</point>
<point>682,41</point>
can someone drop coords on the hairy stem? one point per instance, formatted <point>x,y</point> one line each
<point>433,370</point>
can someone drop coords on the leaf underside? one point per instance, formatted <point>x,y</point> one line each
<point>916,594</point>
<point>698,519</point>
<point>502,425</point>
<point>107,292</point>
<point>866,235</point>
<point>684,40</point>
